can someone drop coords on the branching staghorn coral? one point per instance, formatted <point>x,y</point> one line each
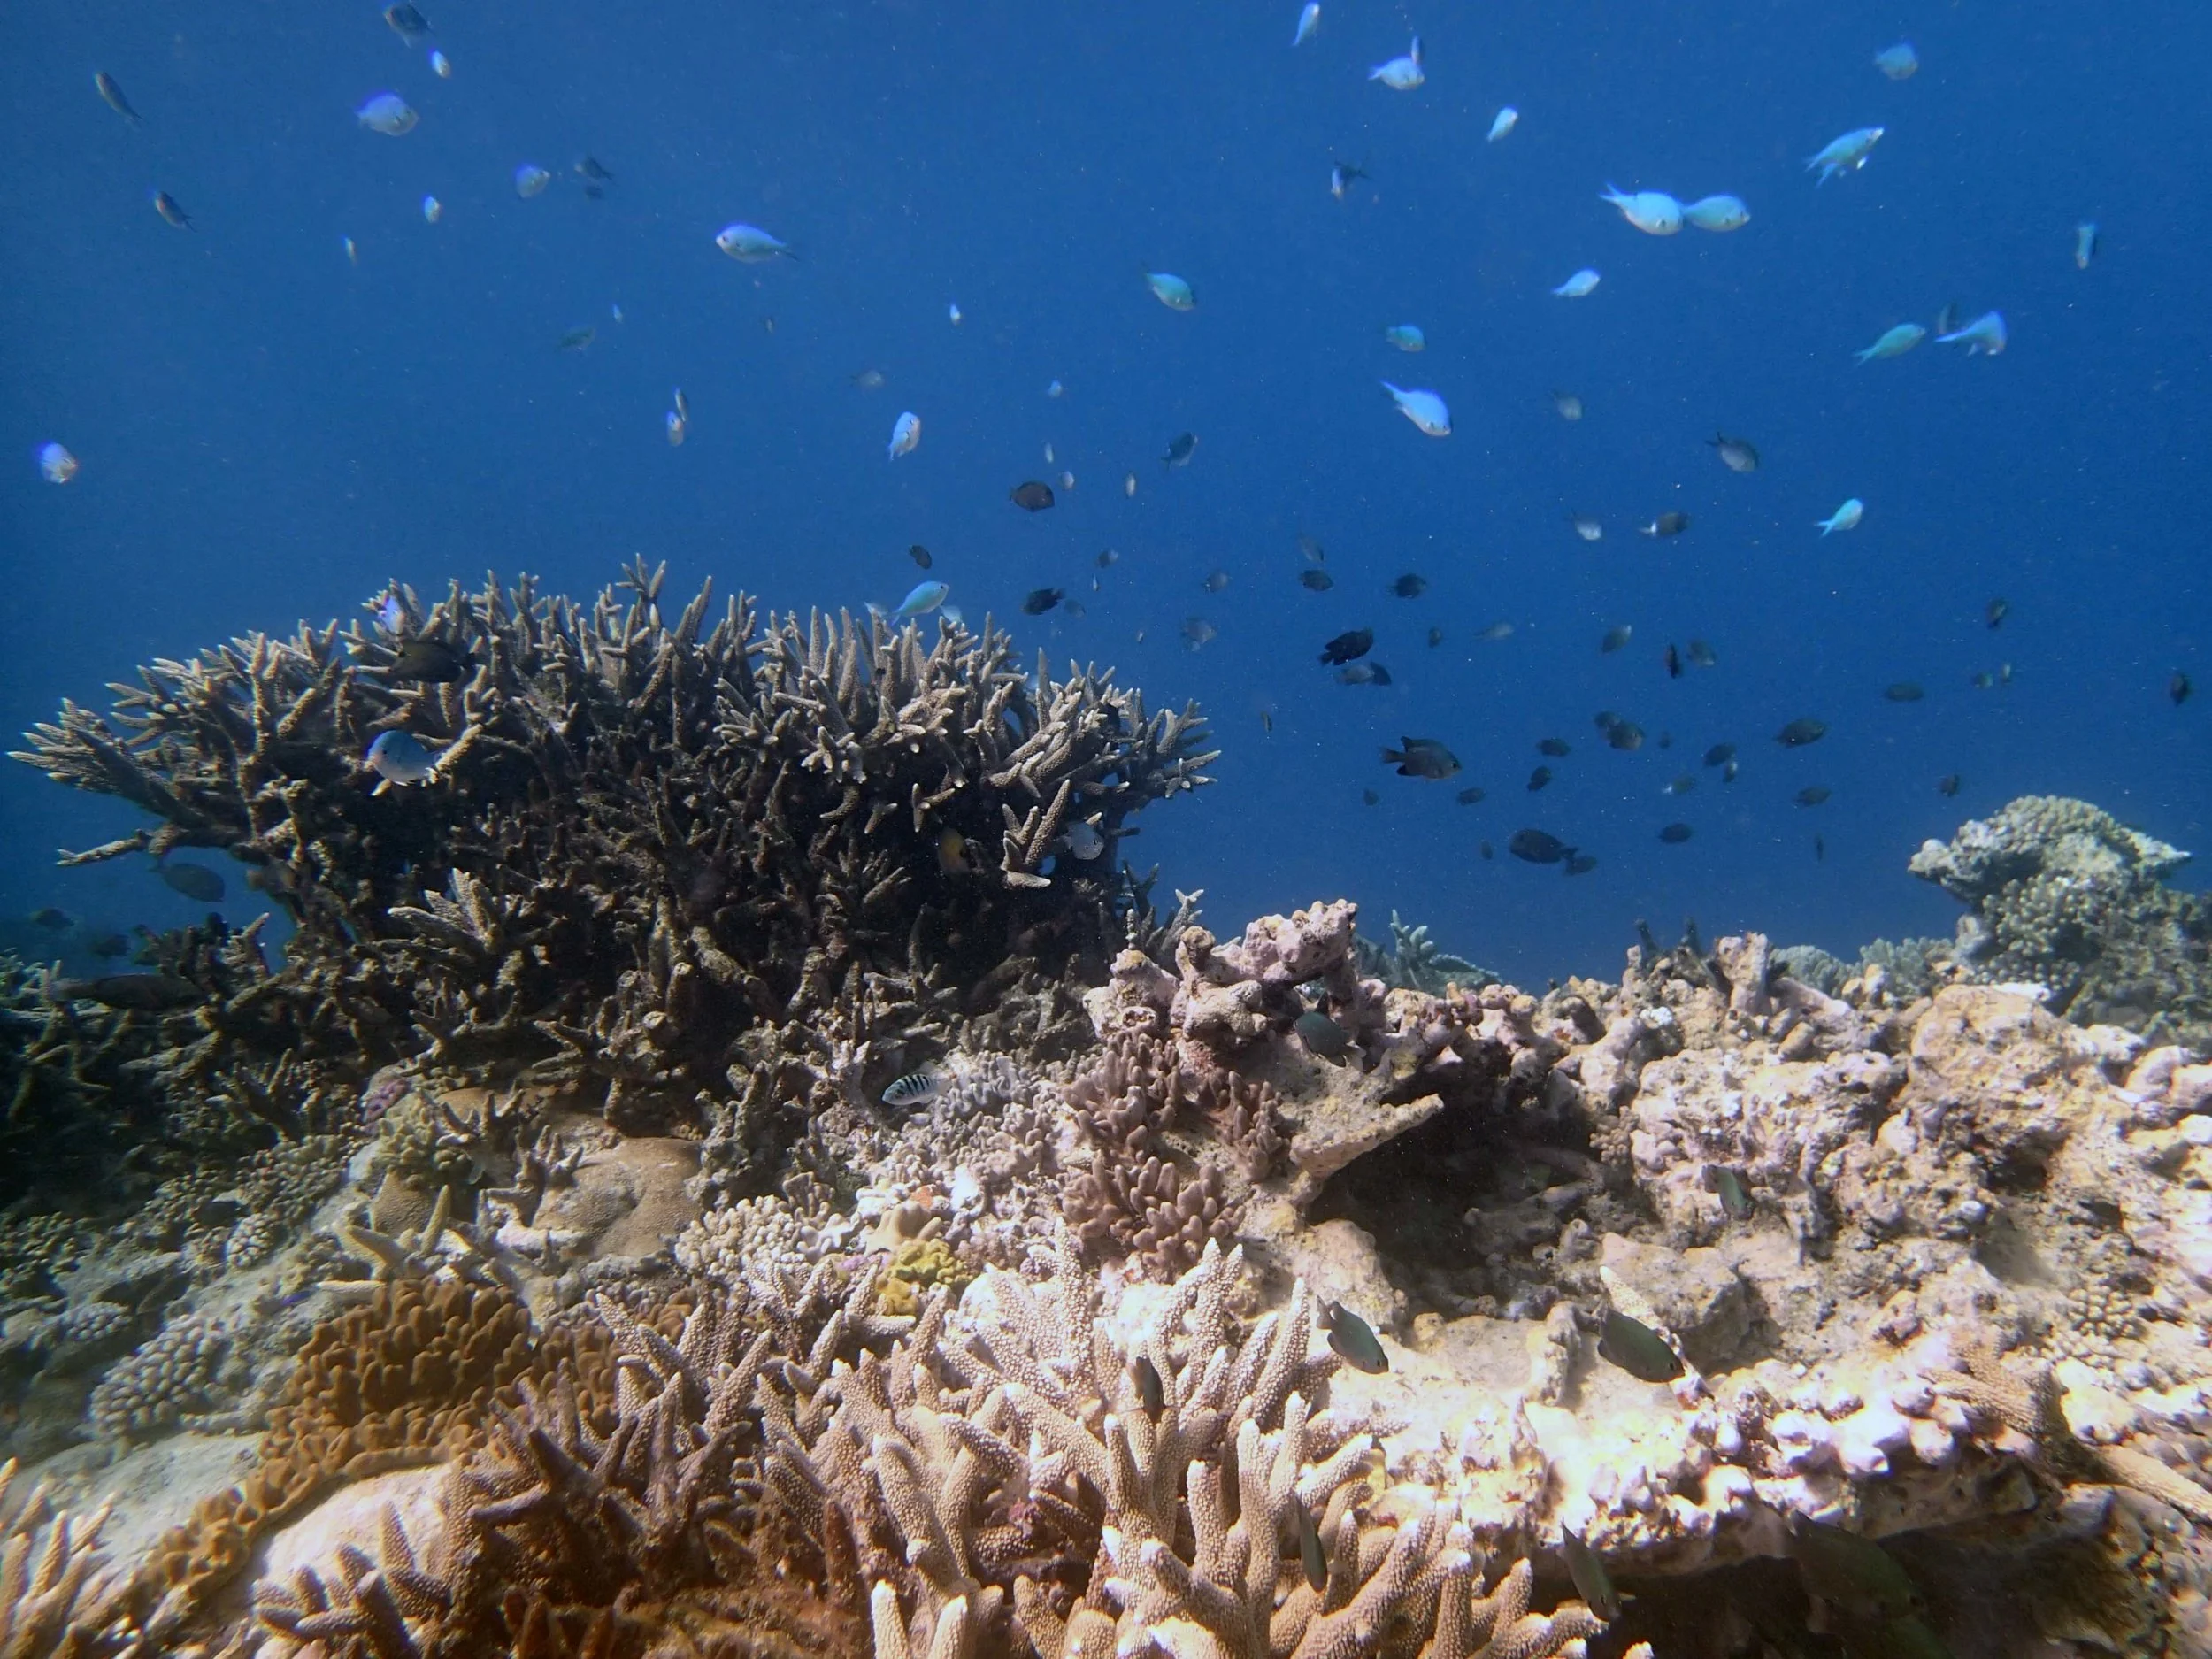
<point>646,838</point>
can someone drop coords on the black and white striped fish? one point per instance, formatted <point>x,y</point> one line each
<point>917,1088</point>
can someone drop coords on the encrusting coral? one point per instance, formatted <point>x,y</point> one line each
<point>2062,895</point>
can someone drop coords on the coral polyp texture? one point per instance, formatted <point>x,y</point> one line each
<point>529,1263</point>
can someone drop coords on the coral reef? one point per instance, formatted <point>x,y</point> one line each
<point>708,870</point>
<point>2063,895</point>
<point>529,1265</point>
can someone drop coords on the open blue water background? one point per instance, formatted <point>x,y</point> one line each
<point>269,432</point>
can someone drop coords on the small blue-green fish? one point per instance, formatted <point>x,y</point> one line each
<point>397,757</point>
<point>387,114</point>
<point>2085,243</point>
<point>195,881</point>
<point>1309,20</point>
<point>1342,175</point>
<point>918,1088</point>
<point>1654,213</point>
<point>389,609</point>
<point>353,253</point>
<point>1847,154</point>
<point>1053,389</point>
<point>1506,120</point>
<point>1844,518</point>
<point>1592,1582</point>
<point>109,90</point>
<point>531,180</point>
<point>166,204</point>
<point>1895,342</point>
<point>1580,283</point>
<point>906,431</point>
<point>1425,409</point>
<point>749,244</point>
<point>1171,290</point>
<point>1638,1349</point>
<point>1406,337</point>
<point>441,65</point>
<point>1717,212</point>
<point>56,465</point>
<point>926,598</point>
<point>1353,1338</point>
<point>1725,1185</point>
<point>1400,75</point>
<point>432,209</point>
<point>1898,62</point>
<point>1322,1036</point>
<point>1984,335</point>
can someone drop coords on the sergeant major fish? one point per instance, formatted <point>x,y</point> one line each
<point>918,1088</point>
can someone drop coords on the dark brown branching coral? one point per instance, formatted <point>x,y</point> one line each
<point>646,838</point>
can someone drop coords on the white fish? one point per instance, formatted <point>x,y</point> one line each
<point>917,1088</point>
<point>1895,342</point>
<point>906,431</point>
<point>1984,336</point>
<point>398,757</point>
<point>353,254</point>
<point>531,180</point>
<point>1309,20</point>
<point>1067,481</point>
<point>749,244</point>
<point>1083,840</point>
<point>1654,213</point>
<point>1717,212</point>
<point>1049,457</point>
<point>432,209</point>
<point>1578,285</point>
<point>441,65</point>
<point>1406,337</point>
<point>953,311</point>
<point>1588,528</point>
<point>1400,75</point>
<point>1898,62</point>
<point>1847,154</point>
<point>56,464</point>
<point>1507,119</point>
<point>2085,243</point>
<point>615,310</point>
<point>1129,485</point>
<point>1425,409</point>
<point>1844,518</point>
<point>387,114</point>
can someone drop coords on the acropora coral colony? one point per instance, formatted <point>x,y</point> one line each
<point>522,1260</point>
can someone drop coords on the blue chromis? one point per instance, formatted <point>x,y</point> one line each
<point>1406,337</point>
<point>906,431</point>
<point>1309,20</point>
<point>1984,335</point>
<point>1898,62</point>
<point>1171,290</point>
<point>1401,75</point>
<point>1847,154</point>
<point>1580,284</point>
<point>56,465</point>
<point>1654,213</point>
<point>1717,212</point>
<point>1505,121</point>
<point>396,757</point>
<point>1426,410</point>
<point>925,597</point>
<point>1844,518</point>
<point>387,114</point>
<point>749,244</point>
<point>1895,342</point>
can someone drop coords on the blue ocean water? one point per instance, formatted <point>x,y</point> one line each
<point>269,431</point>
